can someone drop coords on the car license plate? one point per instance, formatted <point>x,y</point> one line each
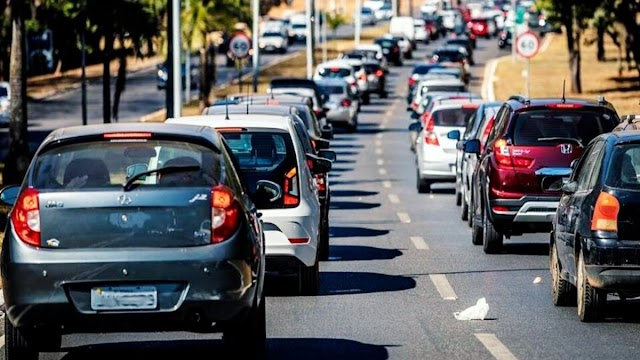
<point>124,298</point>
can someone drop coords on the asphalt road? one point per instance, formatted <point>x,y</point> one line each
<point>401,264</point>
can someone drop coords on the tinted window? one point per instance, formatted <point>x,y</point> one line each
<point>421,70</point>
<point>624,167</point>
<point>272,34</point>
<point>551,127</point>
<point>385,43</point>
<point>298,26</point>
<point>330,90</point>
<point>334,72</point>
<point>453,56</point>
<point>448,88</point>
<point>452,117</point>
<point>3,91</point>
<point>588,166</point>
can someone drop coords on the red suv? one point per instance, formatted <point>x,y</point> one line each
<point>519,174</point>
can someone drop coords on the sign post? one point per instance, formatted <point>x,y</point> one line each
<point>527,45</point>
<point>239,47</point>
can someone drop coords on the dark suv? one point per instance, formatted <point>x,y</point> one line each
<point>526,160</point>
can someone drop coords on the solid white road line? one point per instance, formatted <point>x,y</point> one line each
<point>382,171</point>
<point>495,346</point>
<point>386,184</point>
<point>442,285</point>
<point>419,243</point>
<point>380,162</point>
<point>404,217</point>
<point>394,198</point>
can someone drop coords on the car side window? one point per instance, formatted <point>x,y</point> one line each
<point>501,118</point>
<point>470,126</point>
<point>304,137</point>
<point>586,167</point>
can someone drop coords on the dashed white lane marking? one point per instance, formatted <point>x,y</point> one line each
<point>378,142</point>
<point>378,151</point>
<point>394,198</point>
<point>386,184</point>
<point>404,217</point>
<point>495,346</point>
<point>389,112</point>
<point>431,196</point>
<point>382,171</point>
<point>442,285</point>
<point>380,162</point>
<point>379,135</point>
<point>419,243</point>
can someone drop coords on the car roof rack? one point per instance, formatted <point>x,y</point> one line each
<point>520,99</point>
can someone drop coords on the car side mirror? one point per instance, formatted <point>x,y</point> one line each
<point>472,146</point>
<point>327,132</point>
<point>570,187</point>
<point>319,165</point>
<point>415,126</point>
<point>453,135</point>
<point>266,192</point>
<point>328,154</point>
<point>415,116</point>
<point>9,194</point>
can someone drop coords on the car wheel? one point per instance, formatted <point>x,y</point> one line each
<point>562,291</point>
<point>366,99</point>
<point>476,228</point>
<point>591,301</point>
<point>309,279</point>
<point>353,127</point>
<point>16,347</point>
<point>469,212</point>
<point>324,240</point>
<point>384,94</point>
<point>491,239</point>
<point>249,336</point>
<point>422,185</point>
<point>458,195</point>
<point>464,208</point>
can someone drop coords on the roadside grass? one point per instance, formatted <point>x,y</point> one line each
<point>550,68</point>
<point>294,67</point>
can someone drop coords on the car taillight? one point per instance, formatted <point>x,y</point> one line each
<point>395,49</point>
<point>605,213</point>
<point>412,81</point>
<point>318,112</point>
<point>430,137</point>
<point>504,156</point>
<point>291,189</point>
<point>322,186</point>
<point>363,76</point>
<point>345,103</point>
<point>379,73</point>
<point>26,217</point>
<point>564,106</point>
<point>225,215</point>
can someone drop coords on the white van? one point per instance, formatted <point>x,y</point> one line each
<point>404,25</point>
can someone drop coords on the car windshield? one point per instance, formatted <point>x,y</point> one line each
<point>105,164</point>
<point>331,89</point>
<point>334,72</point>
<point>624,167</point>
<point>550,127</point>
<point>453,117</point>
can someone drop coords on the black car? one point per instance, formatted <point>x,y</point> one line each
<point>418,71</point>
<point>377,78</point>
<point>465,42</point>
<point>390,49</point>
<point>594,244</point>
<point>302,83</point>
<point>164,237</point>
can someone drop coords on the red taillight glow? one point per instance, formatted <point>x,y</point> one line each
<point>605,213</point>
<point>128,135</point>
<point>298,240</point>
<point>430,137</point>
<point>379,73</point>
<point>500,209</point>
<point>26,217</point>
<point>322,186</point>
<point>504,156</point>
<point>291,190</point>
<point>224,214</point>
<point>345,103</point>
<point>412,81</point>
<point>564,106</point>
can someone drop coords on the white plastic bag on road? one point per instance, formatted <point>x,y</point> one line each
<point>477,312</point>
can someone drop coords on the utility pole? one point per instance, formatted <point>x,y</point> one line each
<point>174,81</point>
<point>309,36</point>
<point>394,7</point>
<point>358,24</point>
<point>255,5</point>
<point>83,63</point>
<point>187,64</point>
<point>324,37</point>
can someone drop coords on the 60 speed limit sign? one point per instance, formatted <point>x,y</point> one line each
<point>239,46</point>
<point>527,44</point>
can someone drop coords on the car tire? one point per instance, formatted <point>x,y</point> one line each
<point>16,347</point>
<point>366,99</point>
<point>464,207</point>
<point>422,185</point>
<point>470,212</point>
<point>324,240</point>
<point>591,302</point>
<point>309,279</point>
<point>491,238</point>
<point>353,127</point>
<point>458,195</point>
<point>384,94</point>
<point>476,229</point>
<point>562,291</point>
<point>249,337</point>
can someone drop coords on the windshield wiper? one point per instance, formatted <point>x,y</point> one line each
<point>163,170</point>
<point>557,138</point>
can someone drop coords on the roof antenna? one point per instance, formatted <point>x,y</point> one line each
<point>226,107</point>
<point>250,100</point>
<point>563,85</point>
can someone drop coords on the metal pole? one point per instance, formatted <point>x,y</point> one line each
<point>394,7</point>
<point>255,4</point>
<point>309,39</point>
<point>528,78</point>
<point>514,32</point>
<point>324,37</point>
<point>83,60</point>
<point>187,64</point>
<point>175,58</point>
<point>358,23</point>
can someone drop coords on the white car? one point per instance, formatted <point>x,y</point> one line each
<point>342,105</point>
<point>273,42</point>
<point>337,69</point>
<point>373,51</point>
<point>5,101</point>
<point>268,147</point>
<point>421,33</point>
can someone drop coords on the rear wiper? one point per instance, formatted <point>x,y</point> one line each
<point>557,138</point>
<point>162,170</point>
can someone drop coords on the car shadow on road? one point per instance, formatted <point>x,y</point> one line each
<point>371,111</point>
<point>519,248</point>
<point>361,253</point>
<point>346,146</point>
<point>340,153</point>
<point>354,231</point>
<point>341,283</point>
<point>352,193</point>
<point>277,348</point>
<point>342,161</point>
<point>352,205</point>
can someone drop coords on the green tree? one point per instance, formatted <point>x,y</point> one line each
<point>334,21</point>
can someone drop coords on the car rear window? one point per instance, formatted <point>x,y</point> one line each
<point>446,88</point>
<point>331,90</point>
<point>334,72</point>
<point>551,127</point>
<point>385,43</point>
<point>625,167</point>
<point>262,154</point>
<point>371,68</point>
<point>3,91</point>
<point>453,117</point>
<point>453,56</point>
<point>106,164</point>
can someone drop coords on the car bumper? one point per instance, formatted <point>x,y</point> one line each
<point>439,167</point>
<point>279,229</point>
<point>613,265</point>
<point>527,209</point>
<point>339,115</point>
<point>194,286</point>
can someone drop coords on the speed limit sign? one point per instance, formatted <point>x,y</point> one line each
<point>527,44</point>
<point>239,45</point>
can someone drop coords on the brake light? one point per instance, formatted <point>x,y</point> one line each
<point>298,240</point>
<point>504,156</point>
<point>128,135</point>
<point>322,186</point>
<point>345,103</point>
<point>430,137</point>
<point>26,217</point>
<point>379,73</point>
<point>564,106</point>
<point>363,76</point>
<point>224,214</point>
<point>605,213</point>
<point>470,106</point>
<point>412,81</point>
<point>291,189</point>
<point>318,112</point>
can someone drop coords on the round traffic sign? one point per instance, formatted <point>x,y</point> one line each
<point>527,44</point>
<point>239,45</point>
